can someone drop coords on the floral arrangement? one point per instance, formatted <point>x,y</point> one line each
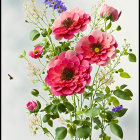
<point>77,57</point>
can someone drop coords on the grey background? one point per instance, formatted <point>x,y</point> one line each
<point>16,93</point>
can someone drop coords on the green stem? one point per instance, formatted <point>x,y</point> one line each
<point>43,99</point>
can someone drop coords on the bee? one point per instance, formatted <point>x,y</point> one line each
<point>10,77</point>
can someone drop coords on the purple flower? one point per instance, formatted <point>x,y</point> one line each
<point>118,108</point>
<point>62,8</point>
<point>56,4</point>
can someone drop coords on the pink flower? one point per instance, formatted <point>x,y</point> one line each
<point>110,10</point>
<point>31,105</point>
<point>70,22</point>
<point>37,52</point>
<point>68,73</point>
<point>97,48</point>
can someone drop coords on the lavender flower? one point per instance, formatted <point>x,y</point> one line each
<point>56,4</point>
<point>118,108</point>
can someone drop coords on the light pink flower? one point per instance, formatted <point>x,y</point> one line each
<point>31,105</point>
<point>110,10</point>
<point>68,73</point>
<point>37,52</point>
<point>97,48</point>
<point>69,23</point>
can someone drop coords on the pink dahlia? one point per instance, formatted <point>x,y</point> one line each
<point>70,22</point>
<point>110,10</point>
<point>37,52</point>
<point>97,48</point>
<point>31,105</point>
<point>68,73</point>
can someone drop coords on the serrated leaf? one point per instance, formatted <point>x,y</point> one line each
<point>122,95</point>
<point>124,75</point>
<point>83,132</point>
<point>132,57</point>
<point>116,130</point>
<point>60,133</point>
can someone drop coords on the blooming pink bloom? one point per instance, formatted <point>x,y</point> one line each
<point>70,22</point>
<point>37,52</point>
<point>110,10</point>
<point>31,105</point>
<point>68,73</point>
<point>97,48</point>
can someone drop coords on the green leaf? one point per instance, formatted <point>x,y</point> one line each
<point>123,86</point>
<point>50,123</point>
<point>69,106</point>
<point>38,106</point>
<point>121,112</point>
<point>124,75</point>
<point>98,99</point>
<point>122,95</point>
<point>46,118</point>
<point>106,138</point>
<point>34,34</point>
<point>60,133</point>
<point>120,70</point>
<point>109,25</point>
<point>88,95</point>
<point>110,115</point>
<point>92,112</point>
<point>132,57</point>
<point>83,132</point>
<point>35,92</point>
<point>107,89</point>
<point>44,32</point>
<point>61,108</point>
<point>21,56</point>
<point>46,131</point>
<point>116,130</point>
<point>118,28</point>
<point>49,31</point>
<point>128,92</point>
<point>100,95</point>
<point>72,131</point>
<point>97,121</point>
<point>115,101</point>
<point>24,53</point>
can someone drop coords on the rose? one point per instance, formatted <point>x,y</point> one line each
<point>31,105</point>
<point>106,9</point>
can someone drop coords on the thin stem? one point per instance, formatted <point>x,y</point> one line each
<point>41,62</point>
<point>43,99</point>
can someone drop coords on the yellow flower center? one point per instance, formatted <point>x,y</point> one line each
<point>36,52</point>
<point>57,7</point>
<point>96,50</point>
<point>62,10</point>
<point>53,2</point>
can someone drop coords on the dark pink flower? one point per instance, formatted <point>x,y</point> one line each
<point>97,48</point>
<point>69,23</point>
<point>37,52</point>
<point>110,10</point>
<point>68,73</point>
<point>31,105</point>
